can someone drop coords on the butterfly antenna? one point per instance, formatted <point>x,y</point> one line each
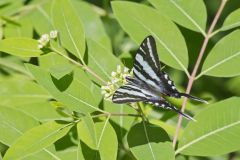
<point>193,97</point>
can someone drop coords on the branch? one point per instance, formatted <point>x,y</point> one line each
<point>195,69</point>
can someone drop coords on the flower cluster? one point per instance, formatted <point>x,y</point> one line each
<point>118,78</point>
<point>45,38</point>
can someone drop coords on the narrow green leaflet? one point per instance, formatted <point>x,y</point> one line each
<point>232,20</point>
<point>19,90</point>
<point>36,139</point>
<point>67,90</point>
<point>48,153</point>
<point>1,28</point>
<point>139,21</point>
<point>83,78</point>
<point>92,23</point>
<point>87,132</point>
<point>122,123</point>
<point>24,28</point>
<point>101,136</point>
<point>23,47</point>
<point>216,131</point>
<point>10,63</point>
<point>57,65</point>
<point>191,14</point>
<point>13,123</point>
<point>223,59</point>
<point>11,8</point>
<point>100,60</point>
<point>40,18</point>
<point>41,111</point>
<point>68,154</point>
<point>148,141</point>
<point>68,24</point>
<point>170,129</point>
<point>107,142</point>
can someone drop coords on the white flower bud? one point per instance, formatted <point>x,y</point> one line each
<point>119,69</point>
<point>125,70</point>
<point>103,92</point>
<point>115,80</point>
<point>106,95</point>
<point>40,46</point>
<point>45,38</point>
<point>113,74</point>
<point>105,87</point>
<point>53,34</point>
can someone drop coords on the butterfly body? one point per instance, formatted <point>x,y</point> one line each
<point>149,84</point>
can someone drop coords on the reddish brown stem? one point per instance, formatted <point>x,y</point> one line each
<point>196,66</point>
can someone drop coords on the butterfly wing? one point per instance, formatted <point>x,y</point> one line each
<point>148,70</point>
<point>128,94</point>
<point>146,66</point>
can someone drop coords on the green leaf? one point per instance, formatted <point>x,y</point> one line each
<point>92,23</point>
<point>48,153</point>
<point>107,142</point>
<point>191,14</point>
<point>23,47</point>
<point>101,60</point>
<point>232,21</point>
<point>84,79</point>
<point>24,28</point>
<point>42,111</point>
<point>67,90</point>
<point>70,153</point>
<point>122,123</point>
<point>147,141</point>
<point>68,24</point>
<point>13,123</point>
<point>87,132</point>
<point>223,59</point>
<point>170,129</point>
<point>19,90</point>
<point>57,65</point>
<point>36,139</point>
<point>101,136</point>
<point>215,132</point>
<point>15,64</point>
<point>40,18</point>
<point>139,21</point>
<point>11,8</point>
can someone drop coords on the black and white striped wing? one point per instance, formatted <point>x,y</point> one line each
<point>146,65</point>
<point>128,94</point>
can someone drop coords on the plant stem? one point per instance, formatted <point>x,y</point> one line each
<point>196,66</point>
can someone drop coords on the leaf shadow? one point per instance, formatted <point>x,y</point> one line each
<point>63,83</point>
<point>89,153</point>
<point>137,136</point>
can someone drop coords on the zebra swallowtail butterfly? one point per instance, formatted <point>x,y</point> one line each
<point>149,83</point>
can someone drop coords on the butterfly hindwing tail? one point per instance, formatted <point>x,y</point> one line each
<point>164,104</point>
<point>193,97</point>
